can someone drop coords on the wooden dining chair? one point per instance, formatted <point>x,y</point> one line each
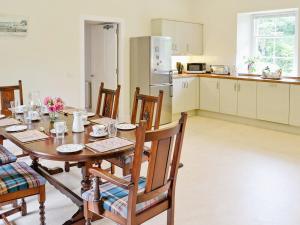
<point>145,107</point>
<point>17,181</point>
<point>107,106</point>
<point>7,94</point>
<point>132,200</point>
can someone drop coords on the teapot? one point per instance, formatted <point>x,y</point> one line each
<point>78,125</point>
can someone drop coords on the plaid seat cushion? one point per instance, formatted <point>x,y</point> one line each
<point>116,198</point>
<point>18,176</point>
<point>6,156</point>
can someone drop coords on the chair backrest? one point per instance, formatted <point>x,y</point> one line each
<point>7,94</point>
<point>111,102</point>
<point>166,145</point>
<point>150,105</point>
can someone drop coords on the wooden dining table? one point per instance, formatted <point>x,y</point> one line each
<point>46,149</point>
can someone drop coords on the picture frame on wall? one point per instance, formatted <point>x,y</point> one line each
<point>13,25</point>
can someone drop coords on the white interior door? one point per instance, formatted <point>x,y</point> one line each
<point>103,58</point>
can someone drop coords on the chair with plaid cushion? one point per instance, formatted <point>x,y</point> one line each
<point>134,199</point>
<point>17,181</point>
<point>150,111</point>
<point>6,156</point>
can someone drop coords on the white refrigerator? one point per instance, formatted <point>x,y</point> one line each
<point>151,70</point>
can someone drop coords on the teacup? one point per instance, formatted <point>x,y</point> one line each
<point>98,129</point>
<point>33,115</point>
<point>20,109</point>
<point>44,109</point>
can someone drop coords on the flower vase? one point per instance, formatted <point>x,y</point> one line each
<point>52,116</point>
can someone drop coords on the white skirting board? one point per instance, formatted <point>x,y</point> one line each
<point>242,120</point>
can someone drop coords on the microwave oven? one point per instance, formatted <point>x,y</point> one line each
<point>196,68</point>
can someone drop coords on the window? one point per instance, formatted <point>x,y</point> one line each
<point>275,40</point>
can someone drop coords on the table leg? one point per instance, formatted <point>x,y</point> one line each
<point>1,139</point>
<point>78,217</point>
<point>51,171</point>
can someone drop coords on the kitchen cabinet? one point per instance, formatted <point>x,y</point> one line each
<point>246,104</point>
<point>185,94</point>
<point>187,38</point>
<point>228,96</point>
<point>294,105</point>
<point>273,102</point>
<point>210,94</point>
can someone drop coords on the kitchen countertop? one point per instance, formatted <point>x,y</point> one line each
<point>248,77</point>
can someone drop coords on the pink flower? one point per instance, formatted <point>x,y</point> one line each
<point>54,104</point>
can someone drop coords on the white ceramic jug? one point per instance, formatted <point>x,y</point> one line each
<point>78,125</point>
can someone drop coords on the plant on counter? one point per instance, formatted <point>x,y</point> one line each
<point>251,64</point>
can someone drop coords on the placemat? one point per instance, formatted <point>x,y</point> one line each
<point>8,122</point>
<point>103,121</point>
<point>30,135</point>
<point>109,144</point>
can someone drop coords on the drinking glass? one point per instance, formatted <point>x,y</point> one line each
<point>13,108</point>
<point>60,128</point>
<point>112,129</point>
<point>35,102</point>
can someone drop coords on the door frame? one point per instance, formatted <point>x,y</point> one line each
<point>121,75</point>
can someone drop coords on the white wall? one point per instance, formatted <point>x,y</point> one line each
<point>48,58</point>
<point>220,20</point>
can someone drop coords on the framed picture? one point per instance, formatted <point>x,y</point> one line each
<point>13,25</point>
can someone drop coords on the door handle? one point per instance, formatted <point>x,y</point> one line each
<point>92,75</point>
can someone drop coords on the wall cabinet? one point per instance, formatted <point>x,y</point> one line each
<point>273,102</point>
<point>294,105</point>
<point>210,94</point>
<point>185,94</point>
<point>246,99</point>
<point>187,38</point>
<point>228,96</point>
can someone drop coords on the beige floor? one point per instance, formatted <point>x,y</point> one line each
<point>233,175</point>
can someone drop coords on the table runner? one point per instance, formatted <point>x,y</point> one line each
<point>8,122</point>
<point>29,135</point>
<point>109,144</point>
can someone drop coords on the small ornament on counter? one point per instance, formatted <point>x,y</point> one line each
<point>179,67</point>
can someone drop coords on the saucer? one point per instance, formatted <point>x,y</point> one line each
<point>103,134</point>
<point>52,131</point>
<point>69,148</point>
<point>90,114</point>
<point>86,123</point>
<point>16,128</point>
<point>125,126</point>
<point>34,119</point>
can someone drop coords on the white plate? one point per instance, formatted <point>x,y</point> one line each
<point>90,114</point>
<point>52,131</point>
<point>16,128</point>
<point>104,134</point>
<point>2,116</point>
<point>34,119</point>
<point>87,123</point>
<point>125,126</point>
<point>69,148</point>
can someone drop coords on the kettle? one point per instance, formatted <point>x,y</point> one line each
<point>78,125</point>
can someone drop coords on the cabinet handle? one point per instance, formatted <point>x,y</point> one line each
<point>235,87</point>
<point>187,47</point>
<point>187,84</point>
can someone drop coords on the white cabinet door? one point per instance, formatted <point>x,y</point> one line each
<point>294,105</point>
<point>209,94</point>
<point>228,96</point>
<point>187,38</point>
<point>195,40</point>
<point>247,99</point>
<point>273,102</point>
<point>178,96</point>
<point>191,93</point>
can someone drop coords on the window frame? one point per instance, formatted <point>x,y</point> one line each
<point>296,38</point>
